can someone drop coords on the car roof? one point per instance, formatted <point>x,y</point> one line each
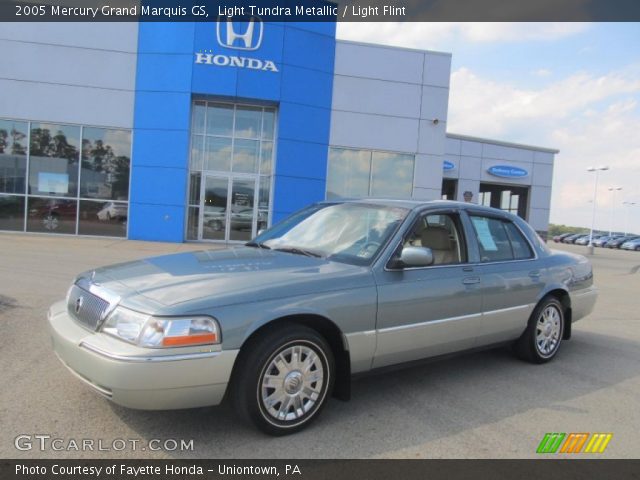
<point>418,204</point>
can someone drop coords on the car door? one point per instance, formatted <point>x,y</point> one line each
<point>428,311</point>
<point>510,274</point>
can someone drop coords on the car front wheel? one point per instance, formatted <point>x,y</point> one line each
<point>541,340</point>
<point>283,379</point>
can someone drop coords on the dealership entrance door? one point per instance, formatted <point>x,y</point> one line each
<point>229,210</point>
<point>509,198</point>
<point>230,171</point>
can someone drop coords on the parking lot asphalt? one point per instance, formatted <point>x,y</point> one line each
<point>480,405</point>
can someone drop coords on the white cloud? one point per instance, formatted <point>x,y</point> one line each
<point>483,106</point>
<point>437,35</point>
<point>592,120</point>
<point>542,72</point>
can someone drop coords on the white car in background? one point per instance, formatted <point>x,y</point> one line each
<point>112,210</point>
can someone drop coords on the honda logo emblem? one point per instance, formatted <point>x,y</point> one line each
<point>233,36</point>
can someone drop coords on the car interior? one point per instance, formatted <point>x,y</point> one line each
<point>439,233</point>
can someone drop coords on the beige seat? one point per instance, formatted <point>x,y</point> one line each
<point>437,239</point>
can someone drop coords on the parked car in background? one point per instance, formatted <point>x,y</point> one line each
<point>572,238</point>
<point>584,240</point>
<point>559,238</point>
<point>52,212</point>
<point>281,323</point>
<point>604,239</point>
<point>631,245</point>
<point>617,242</point>
<point>113,211</point>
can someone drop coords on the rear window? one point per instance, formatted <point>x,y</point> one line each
<point>499,240</point>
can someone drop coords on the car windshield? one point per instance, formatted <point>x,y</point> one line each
<point>345,232</point>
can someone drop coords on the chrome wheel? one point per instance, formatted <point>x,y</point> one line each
<point>292,383</point>
<point>548,331</point>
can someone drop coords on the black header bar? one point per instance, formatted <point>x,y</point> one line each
<point>321,10</point>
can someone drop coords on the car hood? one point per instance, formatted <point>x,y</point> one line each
<point>224,277</point>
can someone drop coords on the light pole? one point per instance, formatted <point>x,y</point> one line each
<point>613,190</point>
<point>593,214</point>
<point>626,220</point>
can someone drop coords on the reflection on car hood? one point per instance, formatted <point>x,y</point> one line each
<point>223,277</point>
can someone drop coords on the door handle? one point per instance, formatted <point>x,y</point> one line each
<point>470,280</point>
<point>534,273</point>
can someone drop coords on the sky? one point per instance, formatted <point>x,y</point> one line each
<point>570,86</point>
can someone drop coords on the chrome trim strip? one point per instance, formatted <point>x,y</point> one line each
<point>147,359</point>
<point>508,309</point>
<point>432,322</point>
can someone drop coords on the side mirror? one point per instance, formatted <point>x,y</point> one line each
<point>260,232</point>
<point>413,257</point>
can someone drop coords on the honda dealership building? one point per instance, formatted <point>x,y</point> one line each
<point>212,131</point>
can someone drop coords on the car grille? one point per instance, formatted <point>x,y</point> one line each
<point>86,308</point>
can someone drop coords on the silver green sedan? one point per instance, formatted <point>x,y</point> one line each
<point>339,288</point>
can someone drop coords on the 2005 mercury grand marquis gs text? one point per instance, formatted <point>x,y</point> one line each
<point>339,288</point>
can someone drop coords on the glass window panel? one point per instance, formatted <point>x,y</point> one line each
<point>214,220</point>
<point>242,195</point>
<point>263,196</point>
<point>492,239</point>
<point>391,174</point>
<point>521,248</point>
<point>194,189</point>
<point>51,215</point>
<point>349,172</point>
<point>198,117</point>
<point>220,119</point>
<point>248,122</point>
<point>13,156</point>
<point>217,154</point>
<point>11,212</point>
<point>106,163</point>
<point>505,198</point>
<point>193,214</point>
<point>266,158</point>
<point>103,218</point>
<point>263,220</point>
<point>245,156</point>
<point>53,160</point>
<point>197,152</point>
<point>268,124</point>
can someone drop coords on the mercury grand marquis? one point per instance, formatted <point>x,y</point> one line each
<point>340,288</point>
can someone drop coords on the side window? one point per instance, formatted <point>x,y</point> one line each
<point>442,234</point>
<point>519,244</point>
<point>499,240</point>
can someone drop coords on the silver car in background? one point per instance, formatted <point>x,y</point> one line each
<point>339,288</point>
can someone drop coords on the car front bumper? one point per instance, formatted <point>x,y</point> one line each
<point>142,378</point>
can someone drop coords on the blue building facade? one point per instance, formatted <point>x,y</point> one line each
<point>180,62</point>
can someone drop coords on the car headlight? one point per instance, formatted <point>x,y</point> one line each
<point>161,332</point>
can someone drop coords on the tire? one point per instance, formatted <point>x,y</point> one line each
<point>541,340</point>
<point>305,394</point>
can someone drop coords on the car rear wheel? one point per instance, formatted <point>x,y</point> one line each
<point>541,340</point>
<point>283,379</point>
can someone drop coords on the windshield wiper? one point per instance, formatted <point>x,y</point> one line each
<point>258,244</point>
<point>299,251</point>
